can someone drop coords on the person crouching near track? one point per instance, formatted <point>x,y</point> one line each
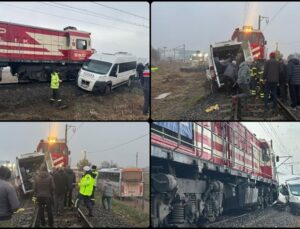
<point>107,194</point>
<point>43,190</point>
<point>86,186</point>
<point>9,202</point>
<point>55,83</point>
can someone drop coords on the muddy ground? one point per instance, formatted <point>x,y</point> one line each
<point>186,89</point>
<point>31,102</point>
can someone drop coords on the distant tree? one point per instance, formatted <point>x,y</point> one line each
<point>83,163</point>
<point>108,164</point>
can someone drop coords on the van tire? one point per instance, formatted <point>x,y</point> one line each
<point>107,89</point>
<point>129,82</point>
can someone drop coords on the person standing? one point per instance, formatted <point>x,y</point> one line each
<point>71,182</point>
<point>9,202</point>
<point>95,177</point>
<point>140,69</point>
<point>293,70</point>
<point>86,186</point>
<point>271,80</point>
<point>43,188</point>
<point>243,83</point>
<point>55,83</point>
<point>145,82</point>
<point>107,194</point>
<point>283,81</point>
<point>60,181</point>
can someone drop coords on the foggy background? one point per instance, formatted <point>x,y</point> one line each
<point>94,137</point>
<point>114,26</point>
<point>285,137</point>
<point>199,24</point>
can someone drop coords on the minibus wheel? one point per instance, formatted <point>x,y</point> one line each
<point>129,83</point>
<point>107,89</point>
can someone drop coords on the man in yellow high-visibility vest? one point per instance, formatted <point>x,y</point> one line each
<point>86,186</point>
<point>55,81</point>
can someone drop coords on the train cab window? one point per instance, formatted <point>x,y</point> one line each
<point>81,44</point>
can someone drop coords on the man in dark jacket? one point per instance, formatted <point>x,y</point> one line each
<point>139,69</point>
<point>71,182</point>
<point>283,81</point>
<point>43,188</point>
<point>293,70</point>
<point>271,79</point>
<point>145,82</point>
<point>9,202</point>
<point>107,194</point>
<point>60,181</point>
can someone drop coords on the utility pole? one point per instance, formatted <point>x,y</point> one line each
<point>66,131</point>
<point>184,52</point>
<point>165,51</point>
<point>136,159</point>
<point>261,18</point>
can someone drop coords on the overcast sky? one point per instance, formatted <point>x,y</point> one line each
<point>23,137</point>
<point>285,143</point>
<point>107,35</point>
<point>199,24</point>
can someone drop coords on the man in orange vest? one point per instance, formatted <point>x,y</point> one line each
<point>145,82</point>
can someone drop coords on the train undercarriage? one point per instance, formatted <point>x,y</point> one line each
<point>188,194</point>
<point>41,72</point>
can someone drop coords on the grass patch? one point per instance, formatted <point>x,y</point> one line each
<point>131,215</point>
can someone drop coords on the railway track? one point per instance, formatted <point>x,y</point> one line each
<point>227,111</point>
<point>256,112</point>
<point>70,218</point>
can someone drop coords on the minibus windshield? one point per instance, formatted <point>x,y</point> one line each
<point>295,189</point>
<point>97,66</point>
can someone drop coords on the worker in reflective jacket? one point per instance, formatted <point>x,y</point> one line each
<point>86,186</point>
<point>55,87</point>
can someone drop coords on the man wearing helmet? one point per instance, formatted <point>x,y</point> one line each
<point>86,186</point>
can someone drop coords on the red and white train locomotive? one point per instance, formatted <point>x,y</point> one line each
<point>201,169</point>
<point>32,52</point>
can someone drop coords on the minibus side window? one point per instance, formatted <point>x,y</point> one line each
<point>113,71</point>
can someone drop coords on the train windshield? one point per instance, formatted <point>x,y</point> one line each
<point>295,189</point>
<point>55,148</point>
<point>96,66</point>
<point>251,37</point>
<point>132,176</point>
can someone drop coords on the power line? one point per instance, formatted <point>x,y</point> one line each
<point>91,13</point>
<point>117,146</point>
<point>122,11</point>
<point>72,19</point>
<point>276,14</point>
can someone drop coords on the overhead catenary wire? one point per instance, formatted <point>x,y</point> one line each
<point>275,15</point>
<point>122,11</point>
<point>72,19</point>
<point>119,145</point>
<point>91,13</point>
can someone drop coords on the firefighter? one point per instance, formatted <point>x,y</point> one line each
<point>95,176</point>
<point>260,86</point>
<point>55,81</point>
<point>145,82</point>
<point>253,80</point>
<point>86,186</point>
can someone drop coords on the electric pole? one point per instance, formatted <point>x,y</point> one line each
<point>261,18</point>
<point>165,51</point>
<point>66,131</point>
